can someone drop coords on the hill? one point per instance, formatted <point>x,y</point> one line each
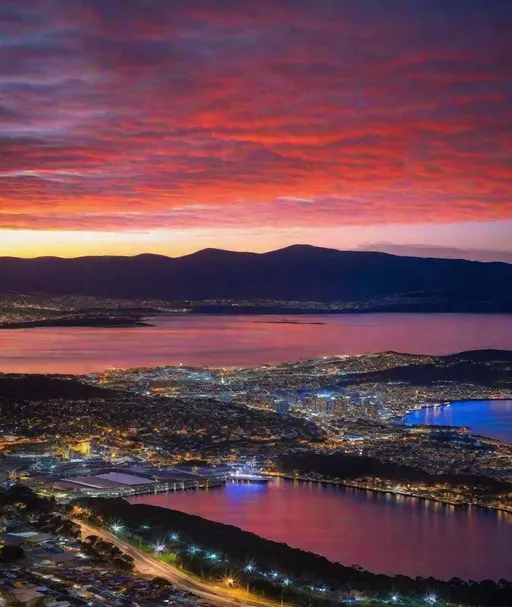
<point>297,273</point>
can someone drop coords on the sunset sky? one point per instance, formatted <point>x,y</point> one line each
<point>167,126</point>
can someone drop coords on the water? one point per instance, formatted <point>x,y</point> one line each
<point>245,340</point>
<point>491,418</point>
<point>382,533</point>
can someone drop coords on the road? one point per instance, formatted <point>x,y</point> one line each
<point>148,565</point>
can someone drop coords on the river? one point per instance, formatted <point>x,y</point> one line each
<point>380,532</point>
<point>214,340</point>
<point>491,418</point>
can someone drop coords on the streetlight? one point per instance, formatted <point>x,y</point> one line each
<point>117,528</point>
<point>431,599</point>
<point>159,548</point>
<point>394,598</point>
<point>229,580</point>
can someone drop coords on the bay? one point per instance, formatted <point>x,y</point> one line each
<point>217,340</point>
<point>380,532</point>
<point>492,418</point>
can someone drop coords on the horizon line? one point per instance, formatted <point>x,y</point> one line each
<point>261,253</point>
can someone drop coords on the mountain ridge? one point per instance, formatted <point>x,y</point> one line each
<point>214,250</point>
<point>296,273</point>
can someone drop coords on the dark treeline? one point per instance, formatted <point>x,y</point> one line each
<point>22,498</point>
<point>346,467</point>
<point>304,568</point>
<point>21,387</point>
<point>430,373</point>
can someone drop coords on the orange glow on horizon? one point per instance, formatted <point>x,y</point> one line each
<point>169,127</point>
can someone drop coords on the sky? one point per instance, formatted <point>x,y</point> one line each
<point>168,126</point>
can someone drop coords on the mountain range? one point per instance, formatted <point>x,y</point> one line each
<point>296,273</point>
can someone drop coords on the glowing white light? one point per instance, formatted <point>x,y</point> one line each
<point>174,537</point>
<point>431,599</point>
<point>286,581</point>
<point>394,598</point>
<point>159,548</point>
<point>212,556</point>
<point>116,527</point>
<point>193,549</point>
<point>249,568</point>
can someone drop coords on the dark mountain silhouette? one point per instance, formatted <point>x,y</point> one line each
<point>300,272</point>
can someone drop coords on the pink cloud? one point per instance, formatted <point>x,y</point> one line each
<point>136,115</point>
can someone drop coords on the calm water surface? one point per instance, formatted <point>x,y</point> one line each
<point>486,417</point>
<point>246,340</point>
<point>382,533</point>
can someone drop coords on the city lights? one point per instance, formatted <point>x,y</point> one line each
<point>117,528</point>
<point>159,548</point>
<point>229,580</point>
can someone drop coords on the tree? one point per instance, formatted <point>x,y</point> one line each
<point>9,553</point>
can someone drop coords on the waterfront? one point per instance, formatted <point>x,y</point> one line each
<point>217,340</point>
<point>491,418</point>
<point>380,532</point>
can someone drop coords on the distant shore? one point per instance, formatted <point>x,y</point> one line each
<point>77,322</point>
<point>294,315</point>
<point>397,308</point>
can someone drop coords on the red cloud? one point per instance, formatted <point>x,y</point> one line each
<point>121,116</point>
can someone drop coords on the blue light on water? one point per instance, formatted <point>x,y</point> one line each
<point>239,492</point>
<point>492,418</point>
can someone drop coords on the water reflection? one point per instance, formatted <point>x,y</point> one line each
<point>491,418</point>
<point>246,340</point>
<point>381,532</point>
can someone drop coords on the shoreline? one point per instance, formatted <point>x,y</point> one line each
<point>389,491</point>
<point>348,485</point>
<point>100,323</point>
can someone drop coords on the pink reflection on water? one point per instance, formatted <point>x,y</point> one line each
<point>382,533</point>
<point>246,340</point>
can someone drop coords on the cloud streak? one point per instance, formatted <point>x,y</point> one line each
<point>142,114</point>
